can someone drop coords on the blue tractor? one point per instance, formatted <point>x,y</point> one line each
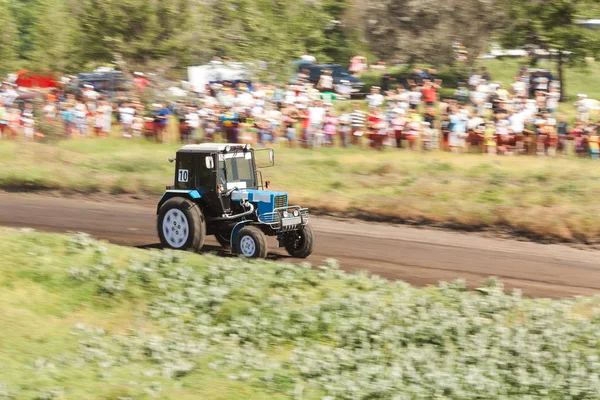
<point>219,191</point>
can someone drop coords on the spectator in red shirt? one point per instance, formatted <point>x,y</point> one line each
<point>429,92</point>
<point>377,127</point>
<point>140,81</point>
<point>304,117</point>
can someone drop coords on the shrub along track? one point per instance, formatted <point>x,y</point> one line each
<point>418,256</point>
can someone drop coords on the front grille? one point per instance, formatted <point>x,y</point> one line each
<point>281,201</point>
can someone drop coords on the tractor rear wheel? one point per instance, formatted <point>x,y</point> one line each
<point>251,242</point>
<point>300,244</point>
<point>180,224</point>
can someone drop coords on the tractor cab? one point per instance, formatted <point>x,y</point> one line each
<point>215,171</point>
<point>220,187</point>
<point>211,165</point>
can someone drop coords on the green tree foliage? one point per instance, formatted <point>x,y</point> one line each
<point>278,31</point>
<point>8,38</point>
<point>551,25</point>
<point>130,28</point>
<point>23,16</point>
<point>53,37</point>
<point>426,30</point>
<point>70,35</point>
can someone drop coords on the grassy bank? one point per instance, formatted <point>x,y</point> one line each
<point>81,319</point>
<point>545,199</point>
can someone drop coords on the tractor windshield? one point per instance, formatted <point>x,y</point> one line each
<point>237,170</point>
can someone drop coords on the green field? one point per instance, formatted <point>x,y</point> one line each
<point>81,319</point>
<point>541,198</point>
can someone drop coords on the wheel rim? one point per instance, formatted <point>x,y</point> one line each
<point>175,228</point>
<point>247,246</point>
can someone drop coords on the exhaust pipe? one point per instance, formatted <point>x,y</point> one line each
<point>230,217</point>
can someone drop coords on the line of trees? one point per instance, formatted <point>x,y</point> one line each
<point>427,30</point>
<point>70,35</point>
<point>552,25</point>
<point>168,35</point>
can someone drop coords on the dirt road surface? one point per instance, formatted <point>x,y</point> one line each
<point>418,256</point>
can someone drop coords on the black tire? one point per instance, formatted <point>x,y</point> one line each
<point>224,239</point>
<point>175,211</point>
<point>251,242</point>
<point>301,243</point>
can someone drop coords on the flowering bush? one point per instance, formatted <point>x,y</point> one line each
<point>321,333</point>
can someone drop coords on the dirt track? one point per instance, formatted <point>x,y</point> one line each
<point>418,256</point>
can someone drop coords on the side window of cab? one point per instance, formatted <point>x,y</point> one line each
<point>205,173</point>
<point>184,173</point>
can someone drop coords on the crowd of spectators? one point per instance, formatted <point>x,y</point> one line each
<point>481,116</point>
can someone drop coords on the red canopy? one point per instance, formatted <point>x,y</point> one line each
<point>30,79</point>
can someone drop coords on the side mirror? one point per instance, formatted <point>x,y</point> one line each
<point>210,162</point>
<point>171,159</point>
<point>272,157</point>
<point>267,184</point>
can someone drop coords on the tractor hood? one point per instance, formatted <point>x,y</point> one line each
<point>265,201</point>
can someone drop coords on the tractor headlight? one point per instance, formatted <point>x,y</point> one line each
<point>285,214</point>
<point>296,213</point>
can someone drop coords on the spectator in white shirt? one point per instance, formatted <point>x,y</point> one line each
<point>50,110</point>
<point>89,93</point>
<point>517,121</point>
<point>308,57</point>
<point>582,107</point>
<point>126,115</point>
<point>289,96</point>
<point>193,122</point>
<point>403,99</point>
<point>375,99</point>
<point>552,99</point>
<point>10,94</point>
<point>316,116</point>
<point>518,87</point>
<point>245,98</point>
<point>325,81</point>
<point>474,80</point>
<point>415,97</point>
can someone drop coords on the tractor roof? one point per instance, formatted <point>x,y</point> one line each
<point>210,147</point>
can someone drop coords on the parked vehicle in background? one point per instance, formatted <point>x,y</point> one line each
<point>338,73</point>
<point>109,82</point>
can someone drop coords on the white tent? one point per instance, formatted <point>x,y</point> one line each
<point>199,76</point>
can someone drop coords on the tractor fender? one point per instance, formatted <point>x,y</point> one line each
<point>238,227</point>
<point>193,195</point>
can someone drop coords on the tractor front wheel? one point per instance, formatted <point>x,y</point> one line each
<point>301,243</point>
<point>251,242</point>
<point>180,224</point>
